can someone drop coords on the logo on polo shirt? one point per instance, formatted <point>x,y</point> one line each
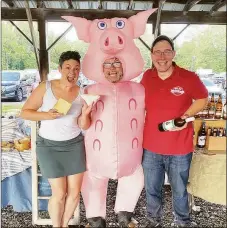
<point>177,91</point>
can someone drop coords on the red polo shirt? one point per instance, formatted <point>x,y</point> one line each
<point>165,100</point>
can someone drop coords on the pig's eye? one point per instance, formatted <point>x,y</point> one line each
<point>101,25</point>
<point>120,24</point>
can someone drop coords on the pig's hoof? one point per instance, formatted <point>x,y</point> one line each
<point>96,222</point>
<point>125,219</point>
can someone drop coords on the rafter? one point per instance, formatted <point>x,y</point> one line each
<point>25,36</point>
<point>70,4</point>
<point>100,4</point>
<point>178,34</point>
<point>40,4</point>
<point>9,3</point>
<point>158,21</point>
<point>155,3</point>
<point>130,4</point>
<point>29,18</point>
<point>218,4</point>
<point>189,4</point>
<point>169,17</point>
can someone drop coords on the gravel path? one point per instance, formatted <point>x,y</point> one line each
<point>211,215</point>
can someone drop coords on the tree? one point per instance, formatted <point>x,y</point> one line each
<point>206,50</point>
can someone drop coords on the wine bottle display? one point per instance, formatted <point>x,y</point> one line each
<point>171,124</point>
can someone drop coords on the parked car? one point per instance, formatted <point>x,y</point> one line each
<point>219,78</point>
<point>212,88</point>
<point>14,85</point>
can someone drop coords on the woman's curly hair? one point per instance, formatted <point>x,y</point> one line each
<point>69,55</point>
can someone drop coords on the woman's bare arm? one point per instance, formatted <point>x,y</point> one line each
<point>34,102</point>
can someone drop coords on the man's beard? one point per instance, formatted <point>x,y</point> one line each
<point>118,77</point>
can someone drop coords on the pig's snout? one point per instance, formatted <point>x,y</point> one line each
<point>112,42</point>
<point>107,42</point>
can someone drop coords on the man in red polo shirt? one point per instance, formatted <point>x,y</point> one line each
<point>170,92</point>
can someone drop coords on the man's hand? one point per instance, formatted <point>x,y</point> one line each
<point>53,114</point>
<point>185,125</point>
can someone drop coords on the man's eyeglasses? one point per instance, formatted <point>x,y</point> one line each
<point>109,65</point>
<point>166,53</point>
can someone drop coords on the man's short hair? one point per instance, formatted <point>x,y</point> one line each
<point>69,55</point>
<point>161,38</point>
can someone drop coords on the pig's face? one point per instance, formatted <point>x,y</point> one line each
<point>111,38</point>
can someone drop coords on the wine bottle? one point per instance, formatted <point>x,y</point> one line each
<point>171,124</point>
<point>202,136</point>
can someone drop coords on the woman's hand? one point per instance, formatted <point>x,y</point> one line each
<point>53,114</point>
<point>84,120</point>
<point>86,110</point>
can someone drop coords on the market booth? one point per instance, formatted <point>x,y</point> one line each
<point>208,169</point>
<point>22,184</point>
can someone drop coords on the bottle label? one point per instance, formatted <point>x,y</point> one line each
<point>168,125</point>
<point>211,112</point>
<point>202,140</point>
<point>190,119</point>
<point>218,114</point>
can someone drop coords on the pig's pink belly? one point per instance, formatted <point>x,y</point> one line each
<point>114,140</point>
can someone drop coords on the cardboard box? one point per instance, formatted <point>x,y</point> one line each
<point>209,123</point>
<point>216,143</point>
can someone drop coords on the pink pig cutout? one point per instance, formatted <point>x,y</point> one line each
<point>114,140</point>
<point>108,37</point>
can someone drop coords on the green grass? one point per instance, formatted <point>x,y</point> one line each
<point>10,107</point>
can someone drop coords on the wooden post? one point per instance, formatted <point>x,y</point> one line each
<point>43,53</point>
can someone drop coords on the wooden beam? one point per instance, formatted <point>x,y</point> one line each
<point>180,32</point>
<point>9,3</point>
<point>65,32</point>
<point>218,4</point>
<point>189,5</point>
<point>29,18</point>
<point>43,53</point>
<point>144,43</point>
<point>21,32</point>
<point>130,4</point>
<point>158,21</point>
<point>168,17</point>
<point>100,4</point>
<point>40,4</point>
<point>70,4</point>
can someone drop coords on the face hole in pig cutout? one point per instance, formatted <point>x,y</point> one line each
<point>113,70</point>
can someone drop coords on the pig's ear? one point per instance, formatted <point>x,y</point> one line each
<point>139,22</point>
<point>81,25</point>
